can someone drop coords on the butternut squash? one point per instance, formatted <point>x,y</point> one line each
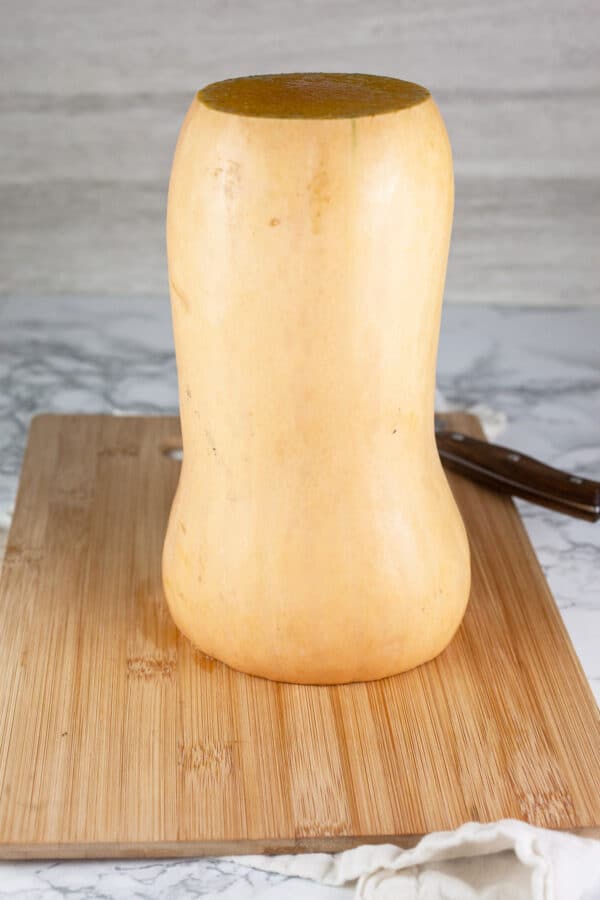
<point>313,537</point>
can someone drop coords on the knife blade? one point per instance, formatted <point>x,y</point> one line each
<point>511,472</point>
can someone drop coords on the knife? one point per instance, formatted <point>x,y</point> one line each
<point>510,472</point>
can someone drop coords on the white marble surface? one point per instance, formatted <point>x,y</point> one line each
<point>541,367</point>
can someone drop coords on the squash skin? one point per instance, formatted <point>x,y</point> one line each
<point>313,537</point>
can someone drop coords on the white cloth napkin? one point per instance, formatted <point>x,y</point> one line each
<point>506,860</point>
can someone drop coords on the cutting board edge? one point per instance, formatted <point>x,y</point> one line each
<point>242,847</point>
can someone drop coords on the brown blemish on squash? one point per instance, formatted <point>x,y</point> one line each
<point>274,222</point>
<point>229,178</point>
<point>210,442</point>
<point>178,295</point>
<point>312,95</point>
<point>319,195</point>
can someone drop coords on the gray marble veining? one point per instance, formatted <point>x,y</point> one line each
<point>540,367</point>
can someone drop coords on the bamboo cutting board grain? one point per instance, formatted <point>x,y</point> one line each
<point>117,738</point>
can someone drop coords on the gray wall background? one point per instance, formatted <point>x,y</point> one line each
<point>92,95</point>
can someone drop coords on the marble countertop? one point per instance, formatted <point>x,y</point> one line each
<point>541,367</point>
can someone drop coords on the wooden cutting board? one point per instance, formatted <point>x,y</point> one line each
<point>117,738</point>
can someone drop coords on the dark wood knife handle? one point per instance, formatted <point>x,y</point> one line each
<point>514,473</point>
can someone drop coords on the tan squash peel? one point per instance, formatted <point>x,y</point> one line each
<point>313,537</point>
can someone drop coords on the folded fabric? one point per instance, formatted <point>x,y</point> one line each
<point>506,860</point>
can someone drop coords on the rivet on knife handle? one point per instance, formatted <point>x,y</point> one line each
<point>514,473</point>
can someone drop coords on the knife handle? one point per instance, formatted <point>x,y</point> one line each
<point>514,473</point>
